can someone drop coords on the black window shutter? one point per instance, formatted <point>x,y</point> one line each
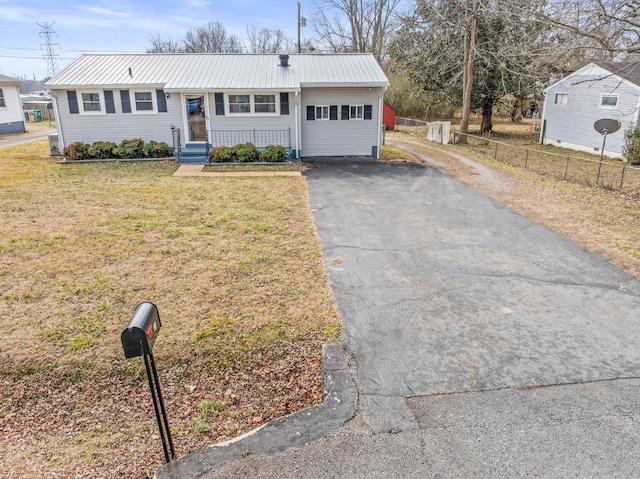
<point>219,100</point>
<point>108,101</point>
<point>124,99</point>
<point>162,101</point>
<point>333,112</point>
<point>345,112</point>
<point>368,114</point>
<point>73,101</point>
<point>284,103</point>
<point>311,112</point>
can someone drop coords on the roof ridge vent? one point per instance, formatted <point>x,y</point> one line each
<point>284,60</point>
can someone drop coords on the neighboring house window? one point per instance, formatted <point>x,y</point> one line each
<point>143,100</point>
<point>322,112</point>
<point>265,103</point>
<point>356,112</point>
<point>561,98</point>
<point>2,103</point>
<point>91,102</point>
<point>239,104</point>
<point>609,101</point>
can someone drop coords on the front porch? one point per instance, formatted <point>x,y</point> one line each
<point>197,153</point>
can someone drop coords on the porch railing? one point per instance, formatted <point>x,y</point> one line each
<point>259,138</point>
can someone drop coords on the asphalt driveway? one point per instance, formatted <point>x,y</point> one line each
<point>441,290</point>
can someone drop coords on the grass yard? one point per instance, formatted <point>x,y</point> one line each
<point>233,265</point>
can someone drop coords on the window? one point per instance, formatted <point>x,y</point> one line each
<point>609,101</point>
<point>144,101</point>
<point>561,98</point>
<point>322,112</point>
<point>2,103</point>
<point>239,104</point>
<point>265,103</point>
<point>356,112</point>
<point>91,102</point>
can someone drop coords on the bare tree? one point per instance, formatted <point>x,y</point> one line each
<point>359,26</point>
<point>212,38</point>
<point>267,40</point>
<point>159,44</point>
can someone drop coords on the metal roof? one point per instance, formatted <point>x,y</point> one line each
<point>206,71</point>
<point>6,79</point>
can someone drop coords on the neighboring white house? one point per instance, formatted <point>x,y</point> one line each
<point>11,119</point>
<point>597,90</point>
<point>313,104</point>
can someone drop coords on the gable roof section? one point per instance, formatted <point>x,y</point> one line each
<point>626,72</point>
<point>196,72</point>
<point>4,79</point>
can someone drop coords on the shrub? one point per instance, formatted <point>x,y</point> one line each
<point>221,154</point>
<point>76,151</point>
<point>273,153</point>
<point>245,153</point>
<point>131,148</point>
<point>631,149</point>
<point>102,150</point>
<point>155,149</point>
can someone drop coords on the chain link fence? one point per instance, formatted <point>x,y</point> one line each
<point>436,131</point>
<point>615,176</point>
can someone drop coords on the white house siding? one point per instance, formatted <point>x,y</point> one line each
<point>117,126</point>
<point>11,116</point>
<point>571,125</point>
<point>340,137</point>
<point>251,121</point>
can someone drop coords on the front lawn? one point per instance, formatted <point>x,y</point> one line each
<point>233,265</point>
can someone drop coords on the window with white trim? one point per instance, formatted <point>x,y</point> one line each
<point>239,103</point>
<point>561,98</point>
<point>143,101</point>
<point>609,101</point>
<point>322,112</point>
<point>264,103</point>
<point>356,112</point>
<point>91,102</point>
<point>2,102</point>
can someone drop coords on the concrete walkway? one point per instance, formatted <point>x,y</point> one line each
<point>481,344</point>
<point>196,170</point>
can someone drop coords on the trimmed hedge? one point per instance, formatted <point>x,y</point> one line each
<point>247,153</point>
<point>631,149</point>
<point>127,149</point>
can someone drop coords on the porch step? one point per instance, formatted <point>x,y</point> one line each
<point>193,155</point>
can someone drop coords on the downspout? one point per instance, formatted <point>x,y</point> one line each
<point>380,111</point>
<point>297,126</point>
<point>54,98</point>
<point>544,110</point>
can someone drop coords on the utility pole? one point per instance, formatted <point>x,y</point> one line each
<point>302,22</point>
<point>51,56</point>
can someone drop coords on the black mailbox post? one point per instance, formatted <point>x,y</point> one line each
<point>137,340</point>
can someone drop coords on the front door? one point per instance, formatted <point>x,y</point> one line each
<point>196,114</point>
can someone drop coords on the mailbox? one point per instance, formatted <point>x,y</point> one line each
<point>142,331</point>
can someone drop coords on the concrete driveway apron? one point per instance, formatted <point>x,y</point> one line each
<point>441,290</point>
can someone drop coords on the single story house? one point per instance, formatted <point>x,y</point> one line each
<point>597,90</point>
<point>11,119</point>
<point>313,104</point>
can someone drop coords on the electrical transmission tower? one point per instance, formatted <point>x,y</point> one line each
<point>51,56</point>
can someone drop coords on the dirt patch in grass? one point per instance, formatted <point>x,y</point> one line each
<point>235,268</point>
<point>603,221</point>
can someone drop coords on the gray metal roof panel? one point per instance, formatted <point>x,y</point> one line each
<point>220,71</point>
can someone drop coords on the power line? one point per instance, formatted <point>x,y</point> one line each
<point>51,56</point>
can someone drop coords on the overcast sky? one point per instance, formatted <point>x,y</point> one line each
<point>89,26</point>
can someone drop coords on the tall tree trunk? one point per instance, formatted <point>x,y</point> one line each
<point>470,11</point>
<point>516,111</point>
<point>487,124</point>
